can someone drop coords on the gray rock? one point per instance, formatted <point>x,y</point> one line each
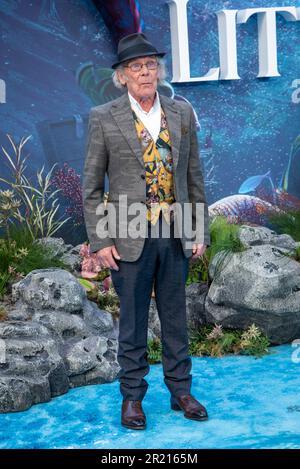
<point>28,348</point>
<point>154,330</point>
<point>92,360</point>
<point>29,363</point>
<point>98,320</point>
<point>18,393</point>
<point>58,379</point>
<point>65,252</point>
<point>195,300</point>
<point>72,261</point>
<point>62,325</point>
<point>260,285</point>
<point>54,339</point>
<point>55,245</point>
<point>40,389</point>
<point>50,289</point>
<point>79,359</point>
<point>15,394</point>
<point>19,313</point>
<point>257,235</point>
<point>15,329</point>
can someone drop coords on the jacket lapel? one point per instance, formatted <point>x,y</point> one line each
<point>122,114</point>
<point>173,117</point>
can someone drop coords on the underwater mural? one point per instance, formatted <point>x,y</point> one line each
<point>56,61</point>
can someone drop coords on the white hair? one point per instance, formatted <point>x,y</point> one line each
<point>162,73</point>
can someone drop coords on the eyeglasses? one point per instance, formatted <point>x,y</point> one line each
<point>137,67</point>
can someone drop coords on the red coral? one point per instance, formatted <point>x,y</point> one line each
<point>68,181</point>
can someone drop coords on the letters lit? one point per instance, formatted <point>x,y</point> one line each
<point>227,29</point>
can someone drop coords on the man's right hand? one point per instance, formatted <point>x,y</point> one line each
<point>107,257</point>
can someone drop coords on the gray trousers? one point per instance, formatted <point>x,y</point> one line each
<point>163,263</point>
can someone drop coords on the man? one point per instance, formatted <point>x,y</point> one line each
<point>147,144</point>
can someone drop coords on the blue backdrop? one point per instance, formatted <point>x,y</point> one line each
<point>55,61</point>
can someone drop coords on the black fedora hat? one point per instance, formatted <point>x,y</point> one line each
<point>133,46</point>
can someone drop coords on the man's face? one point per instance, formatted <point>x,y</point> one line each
<point>142,83</point>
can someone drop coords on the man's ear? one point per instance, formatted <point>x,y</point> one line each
<point>121,77</point>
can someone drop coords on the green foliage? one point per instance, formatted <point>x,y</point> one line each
<point>224,235</point>
<point>3,313</point>
<point>154,351</point>
<point>225,239</point>
<point>288,223</point>
<point>9,210</point>
<point>87,284</point>
<point>20,254</point>
<point>33,204</point>
<point>215,342</point>
<point>253,342</point>
<point>296,254</point>
<point>104,272</point>
<point>106,299</point>
<point>198,269</point>
<point>4,280</point>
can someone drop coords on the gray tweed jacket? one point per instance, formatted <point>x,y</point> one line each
<point>113,148</point>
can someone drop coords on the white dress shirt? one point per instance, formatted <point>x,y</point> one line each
<point>151,119</point>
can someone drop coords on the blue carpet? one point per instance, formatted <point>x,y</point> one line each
<point>252,403</point>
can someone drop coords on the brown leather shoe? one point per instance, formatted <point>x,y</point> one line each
<point>133,415</point>
<point>192,408</point>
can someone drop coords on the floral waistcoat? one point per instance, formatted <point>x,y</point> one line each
<point>158,169</point>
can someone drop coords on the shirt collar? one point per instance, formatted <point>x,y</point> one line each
<point>154,108</point>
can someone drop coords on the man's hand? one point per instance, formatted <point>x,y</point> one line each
<point>107,257</point>
<point>198,250</point>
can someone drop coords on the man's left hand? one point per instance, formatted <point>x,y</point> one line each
<point>198,250</point>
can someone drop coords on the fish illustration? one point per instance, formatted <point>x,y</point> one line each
<point>253,182</point>
<point>287,193</point>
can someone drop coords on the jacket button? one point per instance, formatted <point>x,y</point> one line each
<point>143,176</point>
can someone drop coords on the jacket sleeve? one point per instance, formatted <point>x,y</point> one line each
<point>196,188</point>
<point>95,167</point>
